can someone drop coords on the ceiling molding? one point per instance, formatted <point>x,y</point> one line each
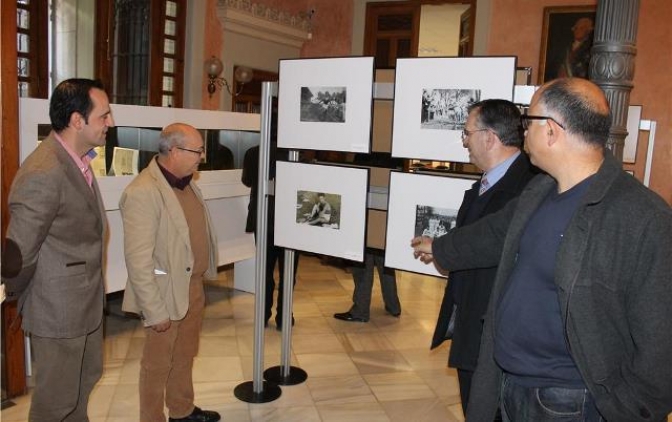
<point>265,23</point>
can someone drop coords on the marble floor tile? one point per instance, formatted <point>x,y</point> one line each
<point>398,386</point>
<point>327,364</point>
<point>264,413</point>
<point>423,410</point>
<point>364,342</point>
<point>316,343</point>
<point>340,390</point>
<point>353,412</point>
<point>380,362</point>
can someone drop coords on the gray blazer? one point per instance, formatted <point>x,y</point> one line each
<point>59,225</point>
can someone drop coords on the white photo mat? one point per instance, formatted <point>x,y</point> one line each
<point>346,240</point>
<point>415,132</point>
<point>303,127</point>
<point>630,145</point>
<point>407,192</point>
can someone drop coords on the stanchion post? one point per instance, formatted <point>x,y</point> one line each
<point>258,390</point>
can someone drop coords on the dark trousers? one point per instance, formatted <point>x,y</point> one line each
<point>66,370</point>
<point>464,377</point>
<point>546,404</point>
<point>362,274</point>
<point>275,254</point>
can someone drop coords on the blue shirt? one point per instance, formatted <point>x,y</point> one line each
<point>529,333</point>
<point>497,172</point>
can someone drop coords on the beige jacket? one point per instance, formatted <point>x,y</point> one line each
<point>157,248</point>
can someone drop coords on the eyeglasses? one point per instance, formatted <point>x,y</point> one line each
<point>467,133</point>
<point>199,151</point>
<point>525,120</point>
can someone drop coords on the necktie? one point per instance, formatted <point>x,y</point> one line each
<point>484,185</point>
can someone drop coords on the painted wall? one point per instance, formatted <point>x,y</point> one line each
<point>652,84</point>
<point>440,30</point>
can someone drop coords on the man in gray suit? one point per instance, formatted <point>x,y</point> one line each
<point>57,219</point>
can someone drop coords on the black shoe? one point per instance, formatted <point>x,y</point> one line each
<point>278,323</point>
<point>396,315</point>
<point>198,415</point>
<point>347,316</point>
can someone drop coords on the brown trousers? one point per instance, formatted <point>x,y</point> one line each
<point>66,370</point>
<point>168,360</point>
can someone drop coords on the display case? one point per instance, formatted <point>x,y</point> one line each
<point>226,135</point>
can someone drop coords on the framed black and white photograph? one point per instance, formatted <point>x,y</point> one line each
<point>432,97</point>
<point>630,144</point>
<point>420,205</point>
<point>433,221</point>
<point>446,109</point>
<point>321,209</point>
<point>318,209</point>
<point>325,104</point>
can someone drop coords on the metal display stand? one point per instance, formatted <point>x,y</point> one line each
<point>258,390</point>
<point>285,374</point>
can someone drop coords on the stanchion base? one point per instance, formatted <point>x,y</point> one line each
<point>296,375</point>
<point>245,392</point>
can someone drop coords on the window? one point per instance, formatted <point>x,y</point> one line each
<point>141,54</point>
<point>31,43</point>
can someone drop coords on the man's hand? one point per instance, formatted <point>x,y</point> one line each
<point>161,326</point>
<point>422,249</point>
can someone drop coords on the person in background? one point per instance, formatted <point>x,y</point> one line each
<point>58,224</point>
<point>494,139</point>
<point>274,254</point>
<point>321,213</point>
<point>170,247</point>
<point>362,275</point>
<point>577,325</point>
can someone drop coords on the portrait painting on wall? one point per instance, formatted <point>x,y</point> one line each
<point>432,96</point>
<point>321,209</point>
<point>415,209</point>
<point>325,104</point>
<point>567,37</point>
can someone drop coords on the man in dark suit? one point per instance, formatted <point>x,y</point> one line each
<point>57,219</point>
<point>493,137</point>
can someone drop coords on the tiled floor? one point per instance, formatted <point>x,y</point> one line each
<point>378,371</point>
<point>382,370</point>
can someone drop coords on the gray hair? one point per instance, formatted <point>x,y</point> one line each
<point>171,136</point>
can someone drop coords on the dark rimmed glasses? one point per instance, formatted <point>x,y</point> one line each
<point>467,133</point>
<point>199,151</point>
<point>525,120</point>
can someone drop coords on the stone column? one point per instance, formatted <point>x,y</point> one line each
<point>612,64</point>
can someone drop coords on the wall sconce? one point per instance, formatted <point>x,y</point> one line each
<point>214,66</point>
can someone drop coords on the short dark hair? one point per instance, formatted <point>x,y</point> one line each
<point>71,96</point>
<point>501,117</point>
<point>579,114</point>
